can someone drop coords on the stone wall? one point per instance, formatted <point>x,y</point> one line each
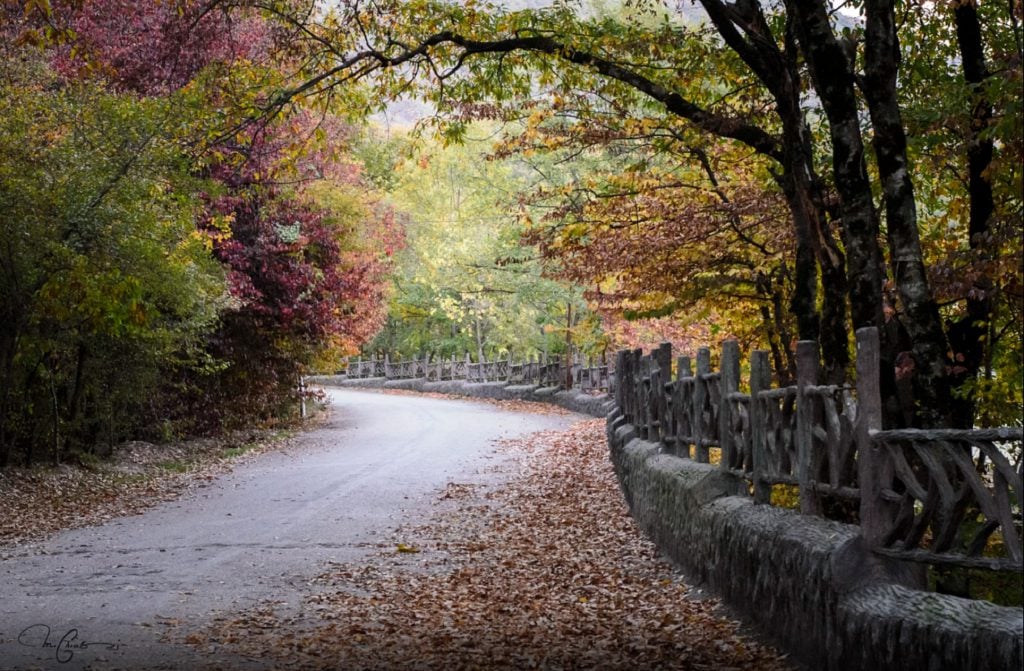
<point>805,581</point>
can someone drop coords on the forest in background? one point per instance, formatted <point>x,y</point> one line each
<point>197,210</point>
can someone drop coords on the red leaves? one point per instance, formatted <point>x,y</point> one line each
<point>154,47</point>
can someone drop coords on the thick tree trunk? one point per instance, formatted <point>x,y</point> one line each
<point>743,27</point>
<point>815,245</point>
<point>967,335</point>
<point>832,74</point>
<point>920,315</point>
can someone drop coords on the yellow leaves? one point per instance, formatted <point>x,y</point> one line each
<point>407,549</point>
<point>42,7</point>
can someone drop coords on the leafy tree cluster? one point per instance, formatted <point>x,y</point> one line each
<point>166,267</point>
<point>465,283</point>
<point>889,132</point>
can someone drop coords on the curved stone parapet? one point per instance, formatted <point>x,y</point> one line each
<point>805,581</point>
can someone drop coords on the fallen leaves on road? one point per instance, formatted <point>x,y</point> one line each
<point>545,572</point>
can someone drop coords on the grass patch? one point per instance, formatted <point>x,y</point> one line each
<point>1004,588</point>
<point>238,450</point>
<point>174,466</point>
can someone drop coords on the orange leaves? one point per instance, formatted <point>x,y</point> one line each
<point>547,571</point>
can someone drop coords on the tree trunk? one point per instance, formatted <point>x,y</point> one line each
<point>744,28</point>
<point>832,74</point>
<point>75,398</point>
<point>920,313</point>
<point>967,335</point>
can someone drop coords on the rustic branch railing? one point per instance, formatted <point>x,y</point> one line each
<point>939,497</point>
<point>585,376</point>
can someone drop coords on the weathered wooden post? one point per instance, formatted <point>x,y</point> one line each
<point>645,367</point>
<point>626,385</point>
<point>468,360</point>
<point>387,366</point>
<point>620,365</point>
<point>622,385</point>
<point>681,413</point>
<point>728,382</point>
<point>654,415</point>
<point>760,380</point>
<point>874,467</point>
<point>663,358</point>
<point>702,452</point>
<point>806,376</point>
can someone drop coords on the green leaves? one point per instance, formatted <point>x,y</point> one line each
<point>455,289</point>
<point>102,278</point>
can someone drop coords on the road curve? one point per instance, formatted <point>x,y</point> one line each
<point>257,533</point>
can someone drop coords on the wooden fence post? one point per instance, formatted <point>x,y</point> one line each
<point>387,366</point>
<point>630,392</point>
<point>728,382</point>
<point>806,375</point>
<point>654,396</point>
<point>874,468</point>
<point>700,394</point>
<point>760,380</point>
<point>620,366</point>
<point>663,359</point>
<point>683,371</point>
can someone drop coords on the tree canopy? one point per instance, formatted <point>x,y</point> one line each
<point>167,265</point>
<point>821,103</point>
<point>196,211</point>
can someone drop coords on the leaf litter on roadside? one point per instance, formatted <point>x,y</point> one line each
<point>40,501</point>
<point>547,571</point>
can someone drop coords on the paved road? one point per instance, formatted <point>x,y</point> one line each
<point>257,533</point>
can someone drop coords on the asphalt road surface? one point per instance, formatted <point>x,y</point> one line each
<point>95,598</point>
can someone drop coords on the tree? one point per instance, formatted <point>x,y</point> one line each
<point>654,226</point>
<point>104,282</point>
<point>157,246</point>
<point>465,282</point>
<point>304,246</point>
<point>827,178</point>
<point>306,254</point>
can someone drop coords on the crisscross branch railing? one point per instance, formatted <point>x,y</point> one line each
<point>940,497</point>
<point>956,497</point>
<point>585,376</point>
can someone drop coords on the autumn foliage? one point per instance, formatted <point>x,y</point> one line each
<point>187,265</point>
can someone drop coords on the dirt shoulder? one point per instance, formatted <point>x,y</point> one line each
<point>37,502</point>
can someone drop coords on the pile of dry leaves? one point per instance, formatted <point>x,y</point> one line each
<point>546,572</point>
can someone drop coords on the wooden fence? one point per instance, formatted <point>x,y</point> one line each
<point>585,376</point>
<point>943,497</point>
